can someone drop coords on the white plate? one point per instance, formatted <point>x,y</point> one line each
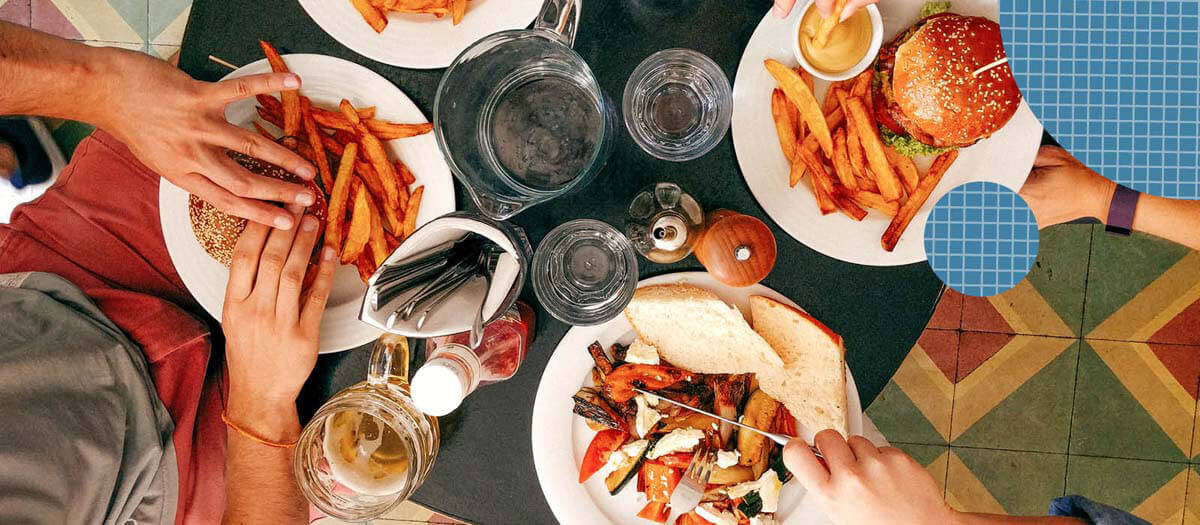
<point>1005,158</point>
<point>560,438</point>
<point>419,41</point>
<point>326,80</point>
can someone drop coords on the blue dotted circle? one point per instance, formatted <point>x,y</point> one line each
<point>1117,82</point>
<point>981,239</point>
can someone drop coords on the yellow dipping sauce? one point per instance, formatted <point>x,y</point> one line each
<point>848,42</point>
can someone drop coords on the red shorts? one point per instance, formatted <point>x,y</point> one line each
<point>98,227</point>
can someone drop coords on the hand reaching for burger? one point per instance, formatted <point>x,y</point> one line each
<point>1057,174</point>
<point>783,7</point>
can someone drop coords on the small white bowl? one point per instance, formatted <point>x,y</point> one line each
<point>862,65</point>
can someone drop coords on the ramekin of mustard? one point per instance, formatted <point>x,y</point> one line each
<point>852,47</point>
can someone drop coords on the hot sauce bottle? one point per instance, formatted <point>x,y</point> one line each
<point>453,370</point>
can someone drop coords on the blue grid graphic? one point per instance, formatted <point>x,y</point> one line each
<point>981,239</point>
<point>1117,82</point>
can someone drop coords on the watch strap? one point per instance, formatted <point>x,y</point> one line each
<point>1121,210</point>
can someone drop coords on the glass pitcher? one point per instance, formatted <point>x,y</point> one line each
<point>368,448</point>
<point>520,117</point>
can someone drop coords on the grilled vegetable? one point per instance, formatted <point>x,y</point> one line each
<point>686,419</point>
<point>731,475</point>
<point>621,381</point>
<point>621,477</point>
<point>656,511</point>
<point>594,408</point>
<point>618,352</point>
<point>603,364</point>
<point>759,413</point>
<point>727,394</point>
<point>602,446</point>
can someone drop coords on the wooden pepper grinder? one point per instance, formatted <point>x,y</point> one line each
<point>737,249</point>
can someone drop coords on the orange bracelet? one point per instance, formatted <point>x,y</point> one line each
<point>252,437</point>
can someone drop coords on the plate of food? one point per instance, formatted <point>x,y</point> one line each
<point>853,168</point>
<point>369,203</point>
<point>607,454</point>
<point>419,34</point>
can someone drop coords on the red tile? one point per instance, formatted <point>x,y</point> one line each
<point>975,348</point>
<point>978,314</point>
<point>942,348</point>
<point>16,12</point>
<point>948,313</point>
<point>45,17</point>
<point>1183,329</point>
<point>1183,362</point>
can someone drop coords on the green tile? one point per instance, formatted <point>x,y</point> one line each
<point>1023,483</point>
<point>900,420</point>
<point>1109,421</point>
<point>1036,416</point>
<point>1129,485</point>
<point>1120,267</point>
<point>1059,273</point>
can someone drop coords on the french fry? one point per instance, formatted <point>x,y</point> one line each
<point>785,127</point>
<point>365,265</point>
<point>358,233</point>
<point>290,97</point>
<point>827,24</point>
<point>377,242</point>
<point>810,142</point>
<point>806,77</point>
<point>841,162</point>
<point>349,113</point>
<point>406,175</point>
<point>392,241</point>
<point>338,197</point>
<point>332,145</point>
<point>867,182</point>
<point>822,184</point>
<point>377,157</point>
<point>855,151</point>
<point>909,176</point>
<point>371,14</point>
<point>917,199</point>
<point>885,177</point>
<point>847,205</point>
<point>458,8</point>
<point>335,120</point>
<point>272,104</point>
<point>383,129</point>
<point>875,201</point>
<point>797,92</point>
<point>314,141</point>
<point>411,212</point>
<point>274,118</point>
<point>831,99</point>
<point>862,83</point>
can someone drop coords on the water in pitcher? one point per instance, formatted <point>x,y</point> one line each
<point>543,128</point>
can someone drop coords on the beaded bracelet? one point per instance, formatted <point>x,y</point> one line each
<point>252,437</point>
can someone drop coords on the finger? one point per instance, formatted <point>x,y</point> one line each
<point>825,7</point>
<point>291,281</point>
<point>270,264</point>
<point>254,145</point>
<point>833,447</point>
<point>862,448</point>
<point>318,295</point>
<point>804,464</point>
<point>853,6</point>
<point>227,91</point>
<point>243,183</point>
<point>244,265</point>
<point>783,7</point>
<point>221,198</point>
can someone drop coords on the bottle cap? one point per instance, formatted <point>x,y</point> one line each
<point>439,387</point>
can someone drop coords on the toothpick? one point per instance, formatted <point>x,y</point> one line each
<point>222,62</point>
<point>989,66</point>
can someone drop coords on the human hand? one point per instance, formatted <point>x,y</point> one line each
<point>1061,189</point>
<point>783,7</point>
<point>271,329</point>
<point>176,126</point>
<point>859,484</point>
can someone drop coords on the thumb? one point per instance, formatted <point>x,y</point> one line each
<point>783,7</point>
<point>804,464</point>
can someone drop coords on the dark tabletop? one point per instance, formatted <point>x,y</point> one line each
<point>484,472</point>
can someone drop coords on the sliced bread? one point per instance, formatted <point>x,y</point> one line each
<point>694,329</point>
<point>812,382</point>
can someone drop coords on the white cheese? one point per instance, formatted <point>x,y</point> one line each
<point>623,456</point>
<point>635,448</point>
<point>642,353</point>
<point>679,440</point>
<point>768,487</point>
<point>646,417</point>
<point>761,519</point>
<point>714,516</point>
<point>727,458</point>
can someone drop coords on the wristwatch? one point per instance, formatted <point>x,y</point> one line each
<point>1120,211</point>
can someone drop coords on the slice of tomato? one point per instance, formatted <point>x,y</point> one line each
<point>677,460</point>
<point>660,480</point>
<point>656,511</point>
<point>690,518</point>
<point>602,446</point>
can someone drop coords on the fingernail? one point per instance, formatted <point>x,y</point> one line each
<point>328,253</point>
<point>291,82</point>
<point>306,172</point>
<point>308,223</point>
<point>779,12</point>
<point>283,222</point>
<point>305,198</point>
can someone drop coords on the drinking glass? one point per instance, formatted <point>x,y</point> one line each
<point>677,104</point>
<point>520,117</point>
<point>585,272</point>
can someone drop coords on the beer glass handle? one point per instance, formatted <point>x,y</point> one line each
<point>560,17</point>
<point>389,360</point>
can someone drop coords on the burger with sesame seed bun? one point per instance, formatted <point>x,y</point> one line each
<point>927,97</point>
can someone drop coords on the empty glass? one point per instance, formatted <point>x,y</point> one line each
<point>677,104</point>
<point>585,272</point>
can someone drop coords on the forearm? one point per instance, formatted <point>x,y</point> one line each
<point>260,486</point>
<point>974,518</point>
<point>1174,219</point>
<point>48,76</point>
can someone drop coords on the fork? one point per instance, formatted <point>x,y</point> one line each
<point>690,489</point>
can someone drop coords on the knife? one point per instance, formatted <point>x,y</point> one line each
<point>778,438</point>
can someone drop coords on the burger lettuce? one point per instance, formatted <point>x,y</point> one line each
<point>908,146</point>
<point>934,8</point>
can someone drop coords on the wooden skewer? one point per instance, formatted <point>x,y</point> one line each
<point>222,62</point>
<point>989,66</point>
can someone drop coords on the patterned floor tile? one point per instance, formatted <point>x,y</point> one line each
<point>914,407</point>
<point>108,20</point>
<point>15,11</point>
<point>1135,400</point>
<point>948,313</point>
<point>1014,392</point>
<point>163,51</point>
<point>1049,301</point>
<point>1003,481</point>
<point>1143,288</point>
<point>934,458</point>
<point>168,18</point>
<point>1191,503</point>
<point>1151,490</point>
